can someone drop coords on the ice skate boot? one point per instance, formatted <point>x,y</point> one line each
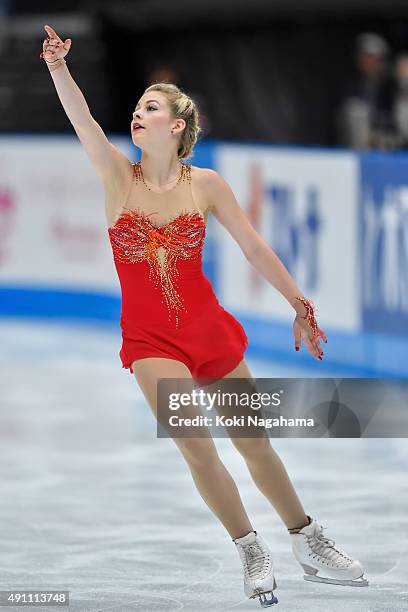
<point>322,561</point>
<point>257,564</point>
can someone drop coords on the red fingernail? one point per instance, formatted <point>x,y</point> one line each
<point>297,348</point>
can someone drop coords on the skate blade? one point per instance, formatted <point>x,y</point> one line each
<point>266,602</point>
<point>263,600</point>
<point>358,582</point>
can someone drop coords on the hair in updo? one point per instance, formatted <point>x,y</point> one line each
<point>181,107</point>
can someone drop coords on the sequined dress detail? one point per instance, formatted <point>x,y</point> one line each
<point>169,307</point>
<point>136,238</point>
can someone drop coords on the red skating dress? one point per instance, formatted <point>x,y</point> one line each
<point>169,308</point>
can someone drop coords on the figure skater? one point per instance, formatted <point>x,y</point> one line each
<point>172,323</point>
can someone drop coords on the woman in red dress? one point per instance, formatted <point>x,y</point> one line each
<point>172,323</point>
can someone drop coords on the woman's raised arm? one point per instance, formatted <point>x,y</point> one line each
<point>109,163</point>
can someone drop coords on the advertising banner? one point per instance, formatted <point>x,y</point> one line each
<point>384,242</point>
<point>304,205</point>
<point>53,228</point>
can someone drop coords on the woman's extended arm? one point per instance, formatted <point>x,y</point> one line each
<point>264,259</point>
<point>107,160</point>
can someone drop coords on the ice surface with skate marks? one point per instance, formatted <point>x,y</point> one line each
<point>94,503</point>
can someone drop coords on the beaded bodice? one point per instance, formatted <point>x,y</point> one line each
<point>135,237</point>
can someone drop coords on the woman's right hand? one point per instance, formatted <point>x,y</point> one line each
<point>53,47</point>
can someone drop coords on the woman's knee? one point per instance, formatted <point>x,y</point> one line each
<point>198,452</point>
<point>252,448</point>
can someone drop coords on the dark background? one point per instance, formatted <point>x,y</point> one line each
<point>271,71</point>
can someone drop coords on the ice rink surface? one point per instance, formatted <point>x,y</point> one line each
<point>94,503</point>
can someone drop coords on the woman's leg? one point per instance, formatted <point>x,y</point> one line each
<point>212,479</point>
<point>268,471</point>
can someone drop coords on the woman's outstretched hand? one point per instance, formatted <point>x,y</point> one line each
<point>53,47</point>
<point>303,330</point>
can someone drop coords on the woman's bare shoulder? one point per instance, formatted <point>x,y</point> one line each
<point>204,175</point>
<point>201,178</point>
<point>208,182</point>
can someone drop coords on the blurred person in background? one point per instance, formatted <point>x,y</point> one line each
<point>365,117</point>
<point>210,343</point>
<point>400,102</point>
<point>4,11</point>
<point>164,73</point>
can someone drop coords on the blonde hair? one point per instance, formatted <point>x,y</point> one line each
<point>184,107</point>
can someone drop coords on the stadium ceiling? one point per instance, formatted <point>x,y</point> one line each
<point>142,14</point>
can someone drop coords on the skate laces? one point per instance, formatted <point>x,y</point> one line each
<point>323,546</point>
<point>255,558</point>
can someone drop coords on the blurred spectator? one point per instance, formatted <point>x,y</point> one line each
<point>164,73</point>
<point>4,11</point>
<point>400,105</point>
<point>366,114</point>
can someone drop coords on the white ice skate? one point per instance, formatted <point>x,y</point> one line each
<point>257,563</point>
<point>322,561</point>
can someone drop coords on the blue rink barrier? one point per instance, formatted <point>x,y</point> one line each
<point>361,354</point>
<point>48,303</point>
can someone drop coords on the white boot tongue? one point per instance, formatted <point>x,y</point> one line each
<point>248,539</point>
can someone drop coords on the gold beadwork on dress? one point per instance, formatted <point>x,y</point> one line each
<point>185,173</point>
<point>135,238</point>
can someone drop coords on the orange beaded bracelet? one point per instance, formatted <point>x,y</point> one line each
<point>309,316</point>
